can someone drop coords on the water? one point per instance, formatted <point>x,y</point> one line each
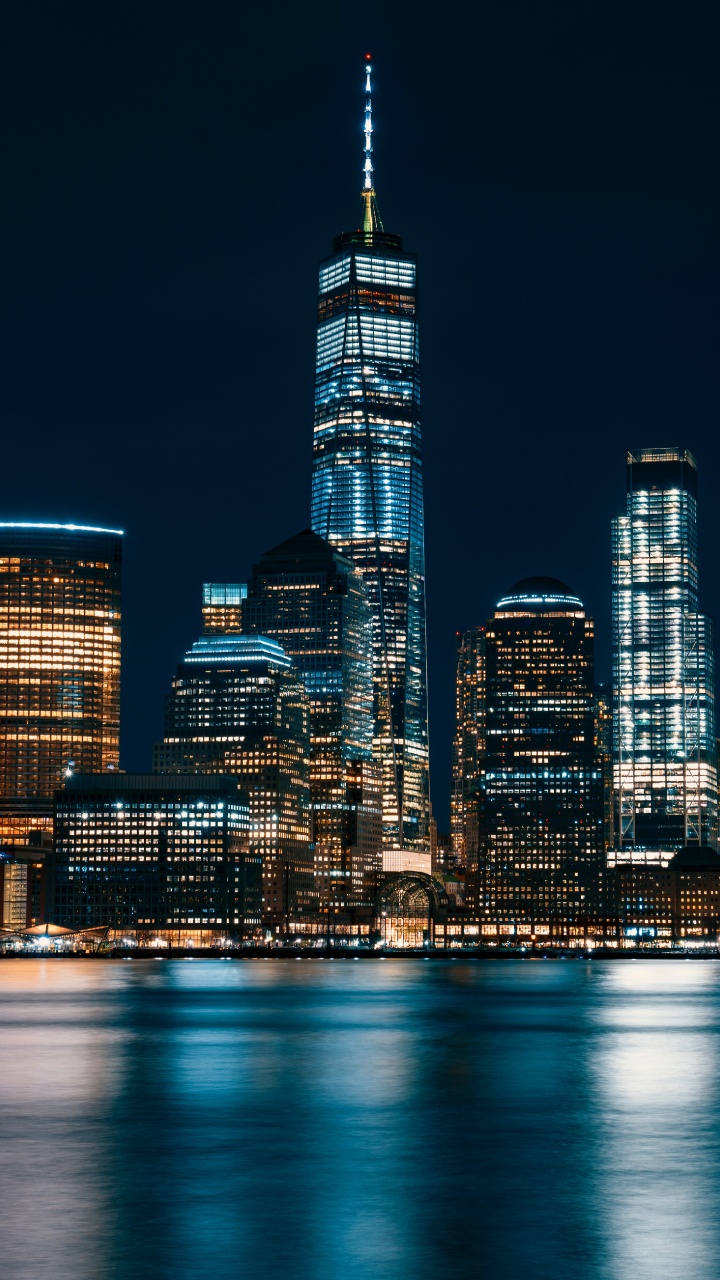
<point>340,1119</point>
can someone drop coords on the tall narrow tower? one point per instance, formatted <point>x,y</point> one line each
<point>663,687</point>
<point>367,482</point>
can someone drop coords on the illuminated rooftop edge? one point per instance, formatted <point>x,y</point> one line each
<point>234,648</point>
<point>74,528</point>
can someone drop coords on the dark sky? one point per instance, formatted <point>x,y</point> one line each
<point>172,174</point>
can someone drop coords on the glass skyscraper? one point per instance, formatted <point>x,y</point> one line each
<point>540,785</point>
<point>312,600</point>
<point>59,664</point>
<point>663,679</point>
<point>238,708</point>
<point>367,485</point>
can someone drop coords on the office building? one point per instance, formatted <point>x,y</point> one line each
<point>222,606</point>
<point>663,682</point>
<point>59,664</point>
<point>367,495</point>
<point>237,707</point>
<point>468,744</point>
<point>153,857</point>
<point>540,788</point>
<point>312,600</point>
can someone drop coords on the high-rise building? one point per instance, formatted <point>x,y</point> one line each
<point>663,680</point>
<point>238,708</point>
<point>222,606</point>
<point>312,600</point>
<point>468,744</point>
<point>152,856</point>
<point>59,664</point>
<point>367,495</point>
<point>540,787</point>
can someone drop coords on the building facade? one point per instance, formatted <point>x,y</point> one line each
<point>468,744</point>
<point>222,606</point>
<point>312,600</point>
<point>155,856</point>
<point>540,788</point>
<point>238,708</point>
<point>665,769</point>
<point>367,497</point>
<point>60,603</point>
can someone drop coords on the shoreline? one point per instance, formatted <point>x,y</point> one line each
<point>347,953</point>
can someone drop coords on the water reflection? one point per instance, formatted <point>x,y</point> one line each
<point>314,1119</point>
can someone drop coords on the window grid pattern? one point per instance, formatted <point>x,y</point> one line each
<point>367,500</point>
<point>665,775</point>
<point>59,665</point>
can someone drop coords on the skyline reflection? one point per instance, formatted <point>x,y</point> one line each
<point>186,1118</point>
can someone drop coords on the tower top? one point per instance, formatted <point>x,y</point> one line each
<point>371,217</point>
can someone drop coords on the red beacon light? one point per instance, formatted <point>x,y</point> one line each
<point>368,57</point>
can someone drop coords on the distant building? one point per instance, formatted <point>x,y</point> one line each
<point>367,497</point>
<point>540,787</point>
<point>155,856</point>
<point>222,606</point>
<point>237,707</point>
<point>604,758</point>
<point>59,664</point>
<point>664,714</point>
<point>312,600</point>
<point>468,744</point>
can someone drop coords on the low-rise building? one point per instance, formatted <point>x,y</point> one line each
<point>155,857</point>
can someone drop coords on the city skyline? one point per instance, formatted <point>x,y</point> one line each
<point>537,244</point>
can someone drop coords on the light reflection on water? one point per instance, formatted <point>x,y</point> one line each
<point>338,1119</point>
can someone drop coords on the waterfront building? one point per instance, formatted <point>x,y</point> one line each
<point>468,743</point>
<point>663,680</point>
<point>540,787</point>
<point>237,707</point>
<point>312,600</point>
<point>151,856</point>
<point>59,664</point>
<point>367,495</point>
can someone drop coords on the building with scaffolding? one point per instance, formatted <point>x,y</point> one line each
<point>665,774</point>
<point>367,495</point>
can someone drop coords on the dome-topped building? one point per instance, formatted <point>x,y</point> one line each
<point>534,832</point>
<point>540,595</point>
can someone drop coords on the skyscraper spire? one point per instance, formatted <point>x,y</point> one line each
<point>371,218</point>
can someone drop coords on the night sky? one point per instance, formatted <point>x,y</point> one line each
<point>172,175</point>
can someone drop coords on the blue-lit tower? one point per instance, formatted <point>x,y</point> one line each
<point>367,483</point>
<point>665,769</point>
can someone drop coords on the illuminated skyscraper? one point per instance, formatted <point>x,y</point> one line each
<point>468,744</point>
<point>312,600</point>
<point>367,484</point>
<point>540,789</point>
<point>238,708</point>
<point>663,678</point>
<point>59,664</point>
